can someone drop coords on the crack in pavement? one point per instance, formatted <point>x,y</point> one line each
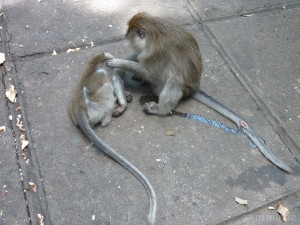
<point>29,170</point>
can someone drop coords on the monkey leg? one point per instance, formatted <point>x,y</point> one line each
<point>168,99</point>
<point>120,108</point>
<point>106,120</point>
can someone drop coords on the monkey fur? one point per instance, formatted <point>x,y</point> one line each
<point>93,102</point>
<point>168,56</point>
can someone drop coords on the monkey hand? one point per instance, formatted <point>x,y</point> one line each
<point>108,55</point>
<point>114,63</point>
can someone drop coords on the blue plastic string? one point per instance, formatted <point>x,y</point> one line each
<point>214,123</point>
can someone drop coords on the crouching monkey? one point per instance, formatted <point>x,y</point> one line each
<point>93,102</point>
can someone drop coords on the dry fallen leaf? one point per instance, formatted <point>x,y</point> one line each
<point>283,211</point>
<point>24,142</point>
<point>70,50</point>
<point>41,219</point>
<point>11,94</point>
<point>3,128</point>
<point>73,50</point>
<point>54,53</point>
<point>247,15</point>
<point>33,186</point>
<point>2,58</point>
<point>19,125</point>
<point>170,133</point>
<point>24,156</point>
<point>241,201</point>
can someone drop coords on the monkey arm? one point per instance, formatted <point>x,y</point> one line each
<point>132,57</point>
<point>131,66</point>
<point>119,88</point>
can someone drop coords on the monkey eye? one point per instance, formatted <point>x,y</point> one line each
<point>141,33</point>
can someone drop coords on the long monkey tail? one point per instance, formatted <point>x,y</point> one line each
<point>92,136</point>
<point>242,124</point>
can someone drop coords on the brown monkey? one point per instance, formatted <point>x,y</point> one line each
<point>93,102</point>
<point>168,56</point>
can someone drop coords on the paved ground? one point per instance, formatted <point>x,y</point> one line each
<point>251,58</point>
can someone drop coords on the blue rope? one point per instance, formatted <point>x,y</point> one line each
<point>211,122</point>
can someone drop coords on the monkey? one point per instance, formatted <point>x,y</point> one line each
<point>168,57</point>
<point>93,102</point>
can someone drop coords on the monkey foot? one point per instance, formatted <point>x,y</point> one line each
<point>129,96</point>
<point>118,111</point>
<point>151,108</point>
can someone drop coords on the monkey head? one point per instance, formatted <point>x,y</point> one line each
<point>138,39</point>
<point>149,32</point>
<point>145,30</point>
<point>136,32</point>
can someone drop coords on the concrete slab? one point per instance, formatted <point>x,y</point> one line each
<point>55,25</point>
<point>13,208</point>
<point>196,174</point>
<point>266,214</point>
<point>265,48</point>
<point>213,9</point>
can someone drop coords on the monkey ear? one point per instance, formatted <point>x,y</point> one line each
<point>141,33</point>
